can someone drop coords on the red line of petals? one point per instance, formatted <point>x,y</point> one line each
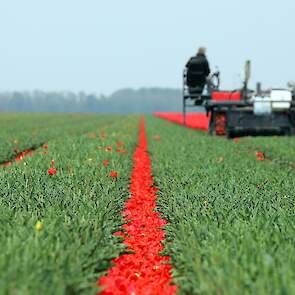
<point>19,157</point>
<point>144,271</point>
<point>193,120</point>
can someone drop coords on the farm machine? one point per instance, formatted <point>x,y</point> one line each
<point>243,111</point>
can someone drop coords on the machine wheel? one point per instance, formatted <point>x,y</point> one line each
<point>230,133</point>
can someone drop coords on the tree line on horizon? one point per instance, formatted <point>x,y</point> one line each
<point>143,100</point>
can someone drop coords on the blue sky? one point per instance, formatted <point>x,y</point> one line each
<point>101,46</point>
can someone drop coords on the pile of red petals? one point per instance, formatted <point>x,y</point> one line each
<point>192,120</point>
<point>6,164</point>
<point>220,124</point>
<point>260,156</point>
<point>145,271</point>
<point>19,157</point>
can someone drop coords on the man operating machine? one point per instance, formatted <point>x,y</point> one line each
<point>198,70</point>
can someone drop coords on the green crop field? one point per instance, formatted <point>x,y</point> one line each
<point>231,217</point>
<point>78,207</point>
<point>24,131</point>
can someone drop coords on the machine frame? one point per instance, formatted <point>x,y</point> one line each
<point>235,118</point>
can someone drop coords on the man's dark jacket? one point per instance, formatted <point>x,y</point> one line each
<point>197,70</point>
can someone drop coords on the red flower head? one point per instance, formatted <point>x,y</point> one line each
<point>108,149</point>
<point>45,147</point>
<point>236,139</point>
<point>52,170</point>
<point>106,163</point>
<point>260,156</point>
<point>113,174</point>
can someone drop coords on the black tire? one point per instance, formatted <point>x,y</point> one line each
<point>230,133</point>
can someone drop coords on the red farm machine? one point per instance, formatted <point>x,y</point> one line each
<point>243,111</point>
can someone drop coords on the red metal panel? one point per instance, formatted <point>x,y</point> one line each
<point>226,95</point>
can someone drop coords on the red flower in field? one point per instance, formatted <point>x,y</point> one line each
<point>260,156</point>
<point>52,170</point>
<point>108,149</point>
<point>113,174</point>
<point>45,147</point>
<point>106,163</point>
<point>123,151</point>
<point>236,139</point>
<point>120,143</point>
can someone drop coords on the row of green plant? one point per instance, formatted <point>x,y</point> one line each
<point>56,231</point>
<point>231,214</point>
<point>20,132</point>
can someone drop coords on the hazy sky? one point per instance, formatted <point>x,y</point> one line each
<point>100,46</point>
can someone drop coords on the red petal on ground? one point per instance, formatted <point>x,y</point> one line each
<point>113,174</point>
<point>21,155</point>
<point>260,156</point>
<point>6,164</point>
<point>145,271</point>
<point>193,120</point>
